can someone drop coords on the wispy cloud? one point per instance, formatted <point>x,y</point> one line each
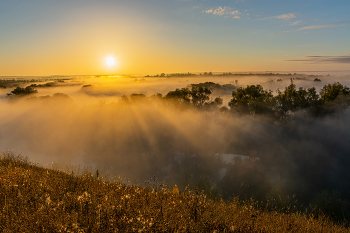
<point>284,16</point>
<point>325,59</point>
<point>321,26</point>
<point>223,11</point>
<point>296,23</point>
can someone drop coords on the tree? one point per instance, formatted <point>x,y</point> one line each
<point>124,99</point>
<point>218,101</point>
<point>292,100</point>
<point>331,91</point>
<point>287,100</point>
<point>199,95</point>
<point>252,99</point>
<point>213,104</point>
<point>179,96</point>
<point>137,97</point>
<point>20,91</point>
<point>335,96</point>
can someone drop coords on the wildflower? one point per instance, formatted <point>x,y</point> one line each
<point>175,190</point>
<point>85,197</point>
<point>75,225</point>
<point>48,200</point>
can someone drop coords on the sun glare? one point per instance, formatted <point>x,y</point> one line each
<point>110,61</point>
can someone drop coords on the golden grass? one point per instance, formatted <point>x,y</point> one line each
<point>35,199</point>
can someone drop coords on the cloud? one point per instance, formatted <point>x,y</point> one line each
<point>325,59</point>
<point>223,11</point>
<point>296,23</point>
<point>321,26</point>
<point>285,16</point>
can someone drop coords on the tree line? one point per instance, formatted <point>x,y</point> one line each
<point>252,99</point>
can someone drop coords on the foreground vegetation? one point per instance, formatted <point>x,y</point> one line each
<point>35,199</point>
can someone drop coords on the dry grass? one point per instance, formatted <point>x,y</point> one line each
<point>34,199</point>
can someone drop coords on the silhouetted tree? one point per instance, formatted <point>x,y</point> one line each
<point>218,101</point>
<point>137,97</point>
<point>286,100</point>
<point>20,91</point>
<point>124,99</point>
<point>180,97</point>
<point>252,99</point>
<point>199,95</point>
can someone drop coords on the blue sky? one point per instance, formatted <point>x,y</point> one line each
<point>150,36</point>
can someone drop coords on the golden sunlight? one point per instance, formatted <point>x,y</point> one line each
<point>110,61</point>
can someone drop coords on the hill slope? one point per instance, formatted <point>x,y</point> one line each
<point>35,199</point>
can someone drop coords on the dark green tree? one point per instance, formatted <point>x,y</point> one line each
<point>331,91</point>
<point>252,100</point>
<point>335,96</point>
<point>287,100</point>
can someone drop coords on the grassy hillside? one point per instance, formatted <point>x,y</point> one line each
<point>35,199</point>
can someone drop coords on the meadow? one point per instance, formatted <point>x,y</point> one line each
<point>37,199</point>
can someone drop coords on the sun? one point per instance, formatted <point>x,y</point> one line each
<point>110,61</point>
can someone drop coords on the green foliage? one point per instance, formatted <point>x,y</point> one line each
<point>252,99</point>
<point>331,91</point>
<point>292,100</point>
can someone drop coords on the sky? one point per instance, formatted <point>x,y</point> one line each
<point>75,37</point>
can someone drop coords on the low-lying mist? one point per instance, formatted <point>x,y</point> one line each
<point>139,139</point>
